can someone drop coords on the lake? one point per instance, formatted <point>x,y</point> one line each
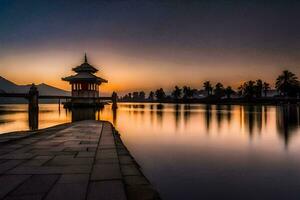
<point>199,151</point>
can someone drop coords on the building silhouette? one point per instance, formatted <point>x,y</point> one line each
<point>85,84</point>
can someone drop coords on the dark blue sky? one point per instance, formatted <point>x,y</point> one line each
<point>186,40</point>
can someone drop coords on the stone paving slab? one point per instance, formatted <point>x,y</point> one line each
<point>106,171</point>
<point>35,185</point>
<point>10,182</point>
<point>63,191</point>
<point>107,190</point>
<point>79,161</point>
<point>9,164</point>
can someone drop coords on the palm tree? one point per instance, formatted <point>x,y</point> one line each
<point>258,88</point>
<point>266,87</point>
<point>207,87</point>
<point>219,90</point>
<point>250,89</point>
<point>176,92</point>
<point>247,89</point>
<point>240,90</point>
<point>228,92</point>
<point>187,92</point>
<point>286,82</point>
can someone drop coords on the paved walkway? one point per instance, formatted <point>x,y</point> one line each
<point>83,160</point>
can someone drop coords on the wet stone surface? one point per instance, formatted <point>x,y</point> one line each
<point>82,160</point>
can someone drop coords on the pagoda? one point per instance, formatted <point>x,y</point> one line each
<point>85,84</point>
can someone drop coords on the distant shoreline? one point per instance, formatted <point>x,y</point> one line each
<point>236,101</point>
<point>232,101</point>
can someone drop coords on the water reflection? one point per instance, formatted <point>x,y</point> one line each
<point>287,120</point>
<point>265,115</point>
<point>208,118</point>
<point>258,117</point>
<point>252,119</point>
<point>177,115</point>
<point>79,114</point>
<point>33,119</point>
<point>228,113</point>
<point>249,118</point>
<point>159,113</point>
<point>151,114</point>
<point>172,144</point>
<point>221,149</point>
<point>114,118</point>
<point>219,115</point>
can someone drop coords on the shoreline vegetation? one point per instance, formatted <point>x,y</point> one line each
<point>286,91</point>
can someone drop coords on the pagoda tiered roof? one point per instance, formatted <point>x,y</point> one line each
<point>85,67</point>
<point>85,73</point>
<point>84,77</point>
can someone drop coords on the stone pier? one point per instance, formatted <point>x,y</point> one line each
<point>82,160</point>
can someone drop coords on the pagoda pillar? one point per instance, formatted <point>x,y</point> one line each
<point>33,107</point>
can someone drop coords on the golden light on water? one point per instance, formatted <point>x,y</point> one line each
<point>212,143</point>
<point>233,126</point>
<point>233,130</point>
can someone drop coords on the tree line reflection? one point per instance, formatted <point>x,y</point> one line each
<point>287,120</point>
<point>252,118</point>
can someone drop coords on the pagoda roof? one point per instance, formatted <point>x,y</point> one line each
<point>85,67</point>
<point>84,77</point>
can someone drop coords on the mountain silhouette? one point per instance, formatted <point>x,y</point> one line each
<point>7,86</point>
<point>44,89</point>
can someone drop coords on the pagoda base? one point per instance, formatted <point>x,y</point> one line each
<point>69,105</point>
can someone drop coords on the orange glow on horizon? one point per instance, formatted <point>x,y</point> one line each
<point>124,72</point>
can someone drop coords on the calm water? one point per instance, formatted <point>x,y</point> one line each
<point>200,151</point>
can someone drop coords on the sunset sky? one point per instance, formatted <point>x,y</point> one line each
<point>149,44</point>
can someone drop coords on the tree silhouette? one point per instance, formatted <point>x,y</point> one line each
<point>287,83</point>
<point>187,92</point>
<point>151,96</point>
<point>135,95</point>
<point>176,93</point>
<point>207,87</point>
<point>219,90</point>
<point>240,90</point>
<point>142,95</point>
<point>266,87</point>
<point>160,94</point>
<point>247,89</point>
<point>228,92</point>
<point>258,88</point>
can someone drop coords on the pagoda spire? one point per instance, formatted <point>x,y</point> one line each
<point>85,58</point>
